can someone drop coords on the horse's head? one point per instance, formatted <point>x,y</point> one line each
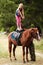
<point>35,33</point>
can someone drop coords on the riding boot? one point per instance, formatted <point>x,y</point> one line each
<point>19,31</point>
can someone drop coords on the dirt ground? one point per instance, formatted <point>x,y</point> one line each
<point>4,55</point>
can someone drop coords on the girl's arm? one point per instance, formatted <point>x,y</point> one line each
<point>22,14</point>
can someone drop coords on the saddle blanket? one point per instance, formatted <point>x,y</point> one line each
<point>15,35</point>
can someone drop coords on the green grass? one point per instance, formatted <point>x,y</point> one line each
<point>39,45</point>
<point>3,46</point>
<point>3,55</point>
<point>3,51</point>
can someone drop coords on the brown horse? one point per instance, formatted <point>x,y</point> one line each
<point>26,38</point>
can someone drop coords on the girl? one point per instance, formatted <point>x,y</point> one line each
<point>19,16</point>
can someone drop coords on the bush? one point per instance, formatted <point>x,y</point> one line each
<point>12,28</point>
<point>2,29</point>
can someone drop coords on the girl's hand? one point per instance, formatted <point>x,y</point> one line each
<point>23,17</point>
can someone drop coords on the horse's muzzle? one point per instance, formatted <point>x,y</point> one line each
<point>39,37</point>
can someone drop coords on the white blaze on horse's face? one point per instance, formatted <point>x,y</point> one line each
<point>38,35</point>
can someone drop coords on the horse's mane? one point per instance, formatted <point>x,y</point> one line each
<point>30,29</point>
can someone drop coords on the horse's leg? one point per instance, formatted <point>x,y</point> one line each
<point>14,51</point>
<point>10,49</point>
<point>27,53</point>
<point>23,54</point>
<point>32,52</point>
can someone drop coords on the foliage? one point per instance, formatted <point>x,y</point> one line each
<point>12,28</point>
<point>33,13</point>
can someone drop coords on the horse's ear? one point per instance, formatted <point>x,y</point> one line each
<point>32,29</point>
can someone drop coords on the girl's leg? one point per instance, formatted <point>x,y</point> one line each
<point>18,22</point>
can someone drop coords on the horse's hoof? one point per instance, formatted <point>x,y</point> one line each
<point>27,60</point>
<point>24,61</point>
<point>15,59</point>
<point>10,59</point>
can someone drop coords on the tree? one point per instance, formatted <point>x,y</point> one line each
<point>33,13</point>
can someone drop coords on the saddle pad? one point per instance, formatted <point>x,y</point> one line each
<point>15,35</point>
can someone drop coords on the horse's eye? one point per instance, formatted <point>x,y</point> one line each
<point>36,33</point>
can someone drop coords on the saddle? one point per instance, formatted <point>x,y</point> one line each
<point>16,35</point>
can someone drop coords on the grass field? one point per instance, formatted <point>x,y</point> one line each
<point>4,55</point>
<point>39,45</point>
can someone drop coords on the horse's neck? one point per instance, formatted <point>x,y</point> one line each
<point>28,35</point>
<point>25,36</point>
